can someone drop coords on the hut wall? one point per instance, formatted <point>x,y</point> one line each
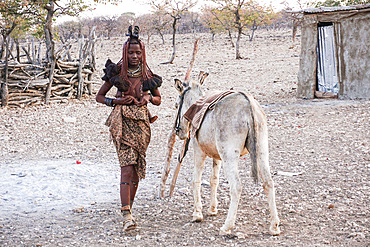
<point>355,67</point>
<point>308,58</point>
<point>352,37</point>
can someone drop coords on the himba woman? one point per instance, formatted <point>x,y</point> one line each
<point>129,121</point>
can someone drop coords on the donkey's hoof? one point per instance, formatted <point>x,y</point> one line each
<point>274,231</point>
<point>197,218</point>
<point>224,232</point>
<point>212,212</point>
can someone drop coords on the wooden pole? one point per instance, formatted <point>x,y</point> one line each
<point>167,166</point>
<point>4,85</point>
<point>79,72</point>
<point>172,137</point>
<point>195,50</point>
<point>177,170</point>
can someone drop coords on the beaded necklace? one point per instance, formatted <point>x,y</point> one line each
<point>135,74</point>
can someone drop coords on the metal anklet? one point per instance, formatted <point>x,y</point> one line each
<point>126,209</point>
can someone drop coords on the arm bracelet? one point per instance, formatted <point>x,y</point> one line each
<point>109,102</point>
<point>151,96</point>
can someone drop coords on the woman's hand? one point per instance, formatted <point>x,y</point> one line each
<point>125,100</point>
<point>144,100</point>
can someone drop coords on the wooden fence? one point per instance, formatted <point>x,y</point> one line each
<point>25,84</point>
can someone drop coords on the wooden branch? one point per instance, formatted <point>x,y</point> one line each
<point>27,54</point>
<point>59,93</point>
<point>190,68</point>
<point>172,137</point>
<point>19,77</point>
<point>12,95</point>
<point>61,86</point>
<point>177,169</point>
<point>167,165</point>
<point>26,83</point>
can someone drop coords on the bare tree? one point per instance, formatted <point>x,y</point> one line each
<point>124,21</point>
<point>244,13</point>
<point>174,8</point>
<point>109,23</point>
<point>161,22</point>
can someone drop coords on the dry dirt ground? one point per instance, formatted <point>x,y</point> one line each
<point>319,158</point>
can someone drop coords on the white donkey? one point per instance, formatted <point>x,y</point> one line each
<point>235,126</point>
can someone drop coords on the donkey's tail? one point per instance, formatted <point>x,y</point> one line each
<point>252,142</point>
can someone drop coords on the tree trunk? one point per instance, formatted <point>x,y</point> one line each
<point>231,38</point>
<point>5,36</point>
<point>240,31</point>
<point>39,54</point>
<point>18,56</point>
<point>2,49</point>
<point>148,40</point>
<point>160,34</point>
<point>254,28</point>
<point>4,85</point>
<point>33,49</point>
<point>237,51</point>
<point>49,47</point>
<point>173,40</point>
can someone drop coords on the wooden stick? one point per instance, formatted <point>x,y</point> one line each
<point>195,50</point>
<point>186,80</point>
<point>172,138</point>
<point>177,170</point>
<point>167,166</point>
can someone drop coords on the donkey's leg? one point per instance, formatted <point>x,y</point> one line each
<point>268,186</point>
<point>268,183</point>
<point>199,158</point>
<point>214,180</point>
<point>232,174</point>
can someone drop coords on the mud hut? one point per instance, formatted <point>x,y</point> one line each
<point>335,52</point>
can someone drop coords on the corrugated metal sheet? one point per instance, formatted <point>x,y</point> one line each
<point>331,9</point>
<point>327,78</point>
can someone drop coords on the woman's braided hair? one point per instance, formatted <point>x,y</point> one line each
<point>123,63</point>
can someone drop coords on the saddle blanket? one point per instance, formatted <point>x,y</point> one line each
<point>197,111</point>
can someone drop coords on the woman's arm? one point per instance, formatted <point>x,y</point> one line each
<point>100,97</point>
<point>157,99</point>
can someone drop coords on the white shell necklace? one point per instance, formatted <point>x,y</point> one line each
<point>132,73</point>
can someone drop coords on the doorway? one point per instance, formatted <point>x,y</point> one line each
<point>327,76</point>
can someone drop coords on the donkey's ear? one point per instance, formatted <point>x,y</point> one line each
<point>179,86</point>
<point>202,77</point>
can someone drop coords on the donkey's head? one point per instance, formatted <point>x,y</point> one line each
<point>188,95</point>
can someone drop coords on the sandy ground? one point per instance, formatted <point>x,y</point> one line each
<point>59,176</point>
